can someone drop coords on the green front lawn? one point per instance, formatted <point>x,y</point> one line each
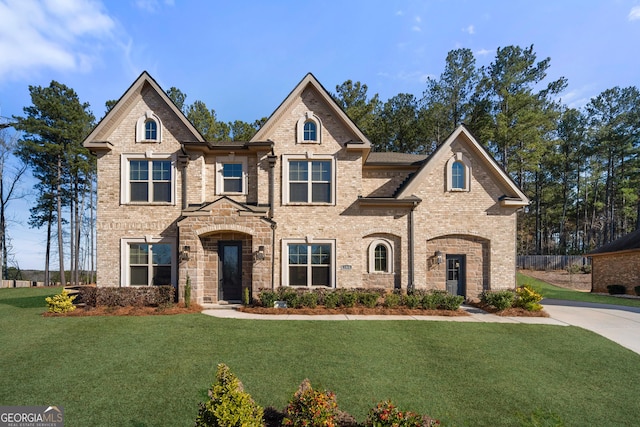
<point>555,292</point>
<point>153,371</point>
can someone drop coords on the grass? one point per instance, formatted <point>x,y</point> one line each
<point>153,371</point>
<point>555,292</point>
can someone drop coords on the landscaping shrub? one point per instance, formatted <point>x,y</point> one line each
<point>61,303</point>
<point>348,298</point>
<point>229,405</point>
<point>411,300</point>
<point>586,269</point>
<point>637,290</point>
<point>392,300</point>
<point>368,299</point>
<point>311,408</point>
<point>574,269</point>
<point>331,300</point>
<point>617,289</point>
<point>267,297</point>
<point>451,302</point>
<point>500,300</point>
<point>386,414</point>
<point>87,295</point>
<point>290,296</point>
<point>433,299</point>
<point>309,299</point>
<point>527,298</point>
<point>144,296</point>
<point>187,292</point>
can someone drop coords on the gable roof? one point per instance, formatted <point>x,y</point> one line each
<point>628,242</point>
<point>376,158</point>
<point>516,198</point>
<point>115,114</point>
<point>310,81</point>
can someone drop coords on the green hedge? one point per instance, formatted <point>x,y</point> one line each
<point>143,296</point>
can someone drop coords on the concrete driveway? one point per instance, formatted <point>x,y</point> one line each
<point>617,323</point>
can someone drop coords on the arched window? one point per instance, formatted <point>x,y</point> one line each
<point>310,131</point>
<point>380,257</point>
<point>457,176</point>
<point>458,173</point>
<point>150,130</point>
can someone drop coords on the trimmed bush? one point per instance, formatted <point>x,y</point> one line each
<point>411,300</point>
<point>348,298</point>
<point>61,303</point>
<point>617,289</point>
<point>267,297</point>
<point>637,290</point>
<point>368,299</point>
<point>392,300</point>
<point>309,299</point>
<point>500,300</point>
<point>229,405</point>
<point>187,292</point>
<point>527,298</point>
<point>142,296</point>
<point>433,299</point>
<point>331,300</point>
<point>290,296</point>
<point>451,302</point>
<point>311,408</point>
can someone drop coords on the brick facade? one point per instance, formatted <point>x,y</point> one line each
<point>401,202</point>
<point>615,268</point>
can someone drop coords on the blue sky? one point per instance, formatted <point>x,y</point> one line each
<point>242,58</point>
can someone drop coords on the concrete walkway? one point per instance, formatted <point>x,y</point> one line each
<point>617,323</point>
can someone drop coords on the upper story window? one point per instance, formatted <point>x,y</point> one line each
<point>231,175</point>
<point>458,173</point>
<point>380,257</point>
<point>309,129</point>
<point>309,181</point>
<point>149,128</point>
<point>147,178</point>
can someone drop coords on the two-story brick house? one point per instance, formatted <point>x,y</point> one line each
<point>305,203</point>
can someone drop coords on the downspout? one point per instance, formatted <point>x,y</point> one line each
<point>411,285</point>
<point>272,158</point>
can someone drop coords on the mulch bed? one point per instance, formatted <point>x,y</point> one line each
<point>128,311</point>
<point>403,311</point>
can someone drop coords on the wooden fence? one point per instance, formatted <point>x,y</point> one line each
<point>551,262</point>
<point>19,284</point>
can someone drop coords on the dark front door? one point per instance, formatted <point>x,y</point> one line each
<point>456,274</point>
<point>230,270</point>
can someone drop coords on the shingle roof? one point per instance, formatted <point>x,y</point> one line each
<point>376,158</point>
<point>627,242</point>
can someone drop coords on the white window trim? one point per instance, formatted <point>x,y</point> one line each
<point>308,157</point>
<point>125,271</point>
<point>372,257</point>
<point>220,161</point>
<point>125,188</point>
<point>308,116</point>
<point>308,241</point>
<point>140,127</point>
<point>458,157</point>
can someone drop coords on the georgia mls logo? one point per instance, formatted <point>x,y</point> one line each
<point>31,416</point>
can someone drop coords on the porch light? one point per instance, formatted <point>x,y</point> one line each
<point>184,253</point>
<point>260,253</point>
<point>438,256</point>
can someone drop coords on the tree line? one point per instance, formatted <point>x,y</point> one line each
<point>579,166</point>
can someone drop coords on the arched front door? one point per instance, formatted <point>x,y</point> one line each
<point>456,274</point>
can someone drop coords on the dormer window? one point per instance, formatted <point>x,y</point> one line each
<point>458,173</point>
<point>309,129</point>
<point>149,128</point>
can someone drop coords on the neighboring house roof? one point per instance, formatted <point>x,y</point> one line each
<point>515,196</point>
<point>95,139</point>
<point>310,81</point>
<point>394,159</point>
<point>628,242</point>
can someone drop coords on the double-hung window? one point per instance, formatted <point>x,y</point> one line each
<point>147,178</point>
<point>150,130</point>
<point>148,264</point>
<point>231,175</point>
<point>309,181</point>
<point>150,180</point>
<point>458,173</point>
<point>309,264</point>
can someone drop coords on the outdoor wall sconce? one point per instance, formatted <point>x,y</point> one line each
<point>260,253</point>
<point>184,253</point>
<point>438,256</point>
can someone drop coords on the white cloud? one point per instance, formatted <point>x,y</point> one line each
<point>54,34</point>
<point>483,52</point>
<point>634,14</point>
<point>470,29</point>
<point>416,28</point>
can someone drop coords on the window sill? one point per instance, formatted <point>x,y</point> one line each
<point>458,190</point>
<point>309,142</point>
